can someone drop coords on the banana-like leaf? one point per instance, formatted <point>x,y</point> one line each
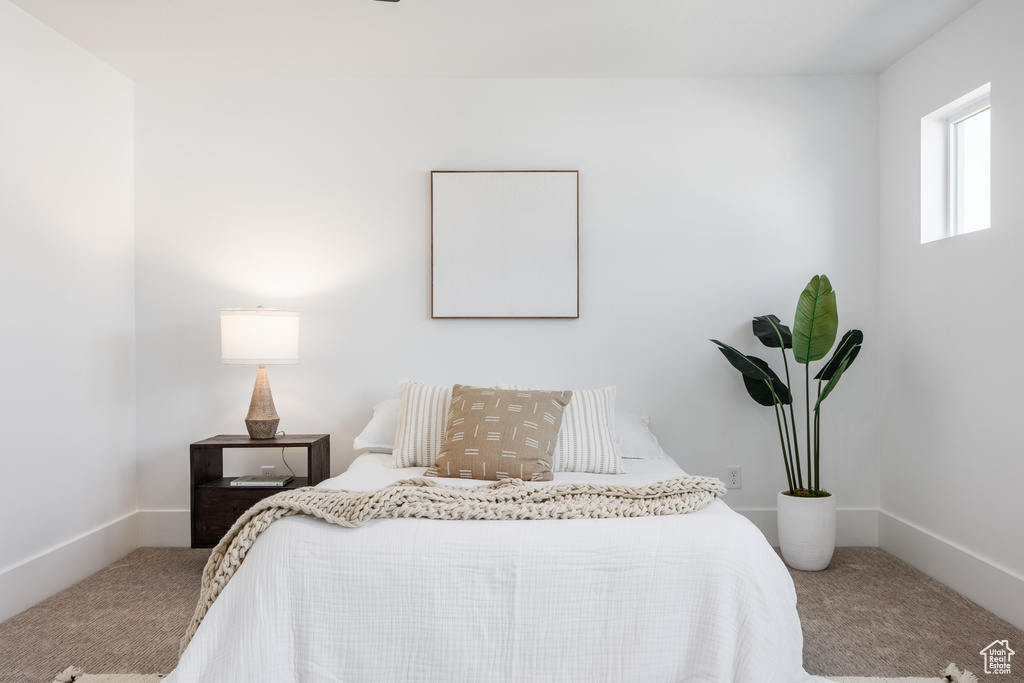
<point>772,333</point>
<point>760,391</point>
<point>816,321</point>
<point>851,341</point>
<point>741,362</point>
<point>843,364</point>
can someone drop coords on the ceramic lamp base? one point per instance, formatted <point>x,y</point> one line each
<point>262,420</point>
<point>262,429</point>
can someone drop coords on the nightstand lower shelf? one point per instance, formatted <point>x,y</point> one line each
<point>218,504</point>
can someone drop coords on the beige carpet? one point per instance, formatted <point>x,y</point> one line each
<point>870,614</point>
<point>126,618</point>
<point>867,615</point>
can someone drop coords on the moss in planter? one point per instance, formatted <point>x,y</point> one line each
<point>804,493</point>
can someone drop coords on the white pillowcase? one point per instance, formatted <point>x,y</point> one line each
<point>586,441</point>
<point>635,439</point>
<point>378,436</point>
<point>422,414</point>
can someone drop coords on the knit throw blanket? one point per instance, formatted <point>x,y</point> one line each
<point>510,499</point>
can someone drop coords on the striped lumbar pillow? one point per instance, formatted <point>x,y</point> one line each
<point>500,434</point>
<point>422,409</point>
<point>586,442</point>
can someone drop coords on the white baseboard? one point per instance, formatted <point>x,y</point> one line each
<point>855,528</point>
<point>165,529</point>
<point>998,590</point>
<point>50,572</point>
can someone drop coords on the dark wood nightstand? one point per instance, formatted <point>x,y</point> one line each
<point>216,504</point>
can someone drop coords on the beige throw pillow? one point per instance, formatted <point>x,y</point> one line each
<point>500,434</point>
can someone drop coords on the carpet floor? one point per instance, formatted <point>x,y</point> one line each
<point>868,614</point>
<point>126,618</point>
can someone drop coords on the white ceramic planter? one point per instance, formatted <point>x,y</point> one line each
<point>807,531</point>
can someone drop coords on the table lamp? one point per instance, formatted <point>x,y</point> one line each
<point>259,336</point>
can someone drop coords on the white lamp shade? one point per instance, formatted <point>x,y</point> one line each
<point>259,336</point>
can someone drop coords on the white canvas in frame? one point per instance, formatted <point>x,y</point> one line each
<point>505,244</point>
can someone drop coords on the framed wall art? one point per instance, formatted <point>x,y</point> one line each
<point>504,244</point>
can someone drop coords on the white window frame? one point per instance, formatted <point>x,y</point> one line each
<point>940,185</point>
<point>955,184</point>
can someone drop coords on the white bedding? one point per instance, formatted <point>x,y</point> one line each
<point>686,598</point>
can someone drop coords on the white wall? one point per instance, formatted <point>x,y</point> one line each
<point>703,202</point>
<point>66,277</point>
<point>951,466</point>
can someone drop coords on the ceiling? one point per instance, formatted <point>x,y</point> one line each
<point>270,39</point>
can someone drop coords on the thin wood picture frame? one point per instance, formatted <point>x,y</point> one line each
<point>504,244</point>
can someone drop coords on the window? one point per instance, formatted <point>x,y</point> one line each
<point>970,177</point>
<point>956,143</point>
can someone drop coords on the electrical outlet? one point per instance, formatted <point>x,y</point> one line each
<point>267,470</point>
<point>734,478</point>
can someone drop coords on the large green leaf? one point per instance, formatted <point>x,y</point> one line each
<point>816,321</point>
<point>850,341</point>
<point>741,362</point>
<point>772,333</point>
<point>843,365</point>
<point>760,390</point>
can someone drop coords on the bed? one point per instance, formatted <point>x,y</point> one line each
<point>684,598</point>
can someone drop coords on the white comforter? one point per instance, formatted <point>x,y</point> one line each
<point>687,598</point>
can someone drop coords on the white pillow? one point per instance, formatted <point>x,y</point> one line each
<point>378,436</point>
<point>635,439</point>
<point>422,414</point>
<point>586,441</point>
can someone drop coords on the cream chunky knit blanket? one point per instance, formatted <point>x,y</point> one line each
<point>509,499</point>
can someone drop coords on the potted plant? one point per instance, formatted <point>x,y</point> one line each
<point>806,512</point>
